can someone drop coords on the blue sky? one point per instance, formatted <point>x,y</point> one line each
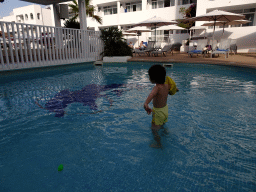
<point>8,5</point>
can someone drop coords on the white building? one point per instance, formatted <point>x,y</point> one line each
<point>32,14</point>
<point>125,13</point>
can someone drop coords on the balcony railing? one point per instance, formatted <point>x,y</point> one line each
<point>28,46</point>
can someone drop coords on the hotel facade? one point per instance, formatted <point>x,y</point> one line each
<point>125,13</point>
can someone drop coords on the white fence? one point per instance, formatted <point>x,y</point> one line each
<point>30,46</point>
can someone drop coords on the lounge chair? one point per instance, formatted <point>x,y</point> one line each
<point>200,48</point>
<point>157,46</point>
<point>223,48</point>
<point>147,50</point>
<point>162,51</point>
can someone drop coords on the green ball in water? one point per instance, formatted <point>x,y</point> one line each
<point>60,168</point>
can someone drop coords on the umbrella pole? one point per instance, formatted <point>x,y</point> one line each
<point>155,32</point>
<point>213,33</point>
<point>138,40</point>
<point>223,29</point>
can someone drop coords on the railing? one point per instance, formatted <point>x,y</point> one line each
<point>30,46</point>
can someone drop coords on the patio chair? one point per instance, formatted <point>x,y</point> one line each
<point>223,48</point>
<point>199,49</point>
<point>147,50</point>
<point>162,51</point>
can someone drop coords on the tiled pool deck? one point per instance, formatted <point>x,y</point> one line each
<point>240,60</point>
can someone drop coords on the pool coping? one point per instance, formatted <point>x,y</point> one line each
<point>183,58</point>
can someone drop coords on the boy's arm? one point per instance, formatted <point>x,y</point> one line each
<point>149,99</point>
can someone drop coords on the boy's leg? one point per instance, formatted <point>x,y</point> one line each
<point>157,138</point>
<point>165,131</point>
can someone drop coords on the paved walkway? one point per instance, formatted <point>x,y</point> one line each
<point>241,60</point>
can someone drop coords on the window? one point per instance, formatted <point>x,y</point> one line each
<point>249,10</point>
<point>154,4</point>
<point>19,18</point>
<point>167,3</point>
<point>114,10</point>
<point>139,7</point>
<point>132,7</point>
<point>128,7</point>
<point>237,11</point>
<point>162,3</point>
<point>109,10</point>
<point>38,16</point>
<point>26,16</point>
<point>184,2</point>
<point>184,31</point>
<point>31,16</point>
<point>249,15</point>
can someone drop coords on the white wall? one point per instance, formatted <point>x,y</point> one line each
<point>245,37</point>
<point>47,18</point>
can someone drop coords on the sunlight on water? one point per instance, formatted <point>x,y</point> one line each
<point>91,120</point>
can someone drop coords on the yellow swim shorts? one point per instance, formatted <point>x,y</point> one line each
<point>160,115</point>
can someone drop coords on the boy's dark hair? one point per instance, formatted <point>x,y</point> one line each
<point>157,74</point>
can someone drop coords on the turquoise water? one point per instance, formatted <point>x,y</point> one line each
<point>104,144</point>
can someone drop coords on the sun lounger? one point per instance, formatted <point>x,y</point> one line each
<point>147,50</point>
<point>200,48</point>
<point>223,48</point>
<point>162,51</point>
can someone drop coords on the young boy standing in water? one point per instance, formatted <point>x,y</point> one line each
<point>159,95</point>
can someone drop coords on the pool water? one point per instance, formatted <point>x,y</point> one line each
<point>102,137</point>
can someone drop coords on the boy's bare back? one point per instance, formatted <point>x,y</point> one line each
<point>160,99</point>
<point>159,95</point>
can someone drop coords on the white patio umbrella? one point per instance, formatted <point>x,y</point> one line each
<point>218,15</point>
<point>138,30</point>
<point>156,22</point>
<point>170,27</point>
<point>129,34</point>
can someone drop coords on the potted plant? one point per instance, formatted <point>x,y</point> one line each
<point>115,47</point>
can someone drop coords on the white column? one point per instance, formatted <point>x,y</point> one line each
<point>82,14</point>
<point>55,15</point>
<point>176,3</point>
<point>118,11</point>
<point>118,7</point>
<point>144,5</point>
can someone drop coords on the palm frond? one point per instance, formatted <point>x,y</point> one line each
<point>89,10</point>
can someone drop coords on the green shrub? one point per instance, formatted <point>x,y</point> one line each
<point>72,24</point>
<point>114,44</point>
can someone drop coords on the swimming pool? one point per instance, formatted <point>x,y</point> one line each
<point>103,143</point>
